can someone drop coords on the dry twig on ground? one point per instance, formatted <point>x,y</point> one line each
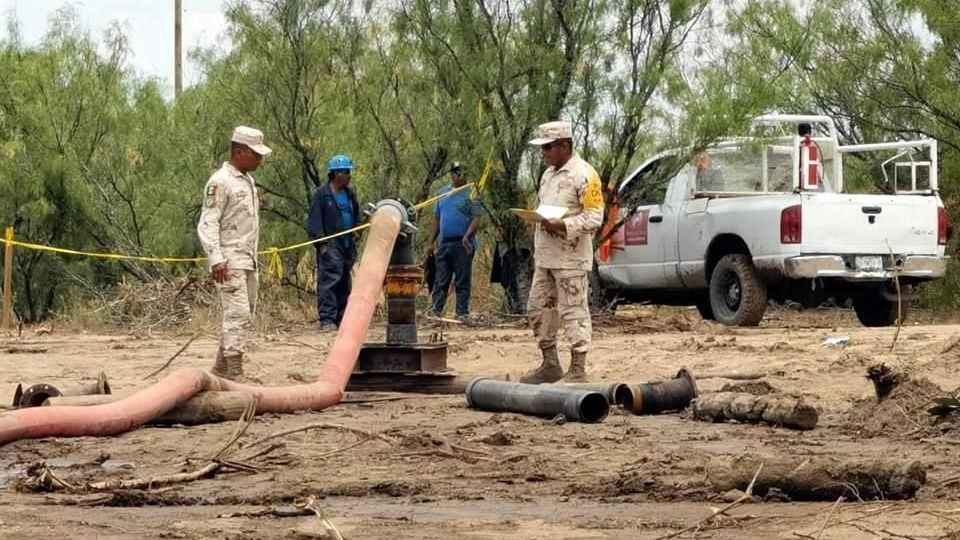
<point>174,357</point>
<point>896,282</point>
<point>328,526</point>
<point>308,427</point>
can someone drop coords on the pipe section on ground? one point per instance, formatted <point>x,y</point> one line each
<point>35,395</point>
<point>546,400</point>
<point>618,394</point>
<point>177,388</point>
<point>662,396</point>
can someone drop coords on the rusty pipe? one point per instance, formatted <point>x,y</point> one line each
<point>175,389</point>
<point>672,395</point>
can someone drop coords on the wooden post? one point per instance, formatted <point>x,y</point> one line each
<point>7,280</point>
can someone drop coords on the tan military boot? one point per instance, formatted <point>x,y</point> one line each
<point>219,365</point>
<point>548,372</point>
<point>234,367</point>
<point>578,368</point>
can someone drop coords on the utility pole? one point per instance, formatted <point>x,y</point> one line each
<point>177,48</point>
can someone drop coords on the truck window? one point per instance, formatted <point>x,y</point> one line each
<point>757,166</point>
<point>730,169</point>
<point>649,186</point>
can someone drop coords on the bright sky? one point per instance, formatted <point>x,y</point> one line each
<point>148,25</point>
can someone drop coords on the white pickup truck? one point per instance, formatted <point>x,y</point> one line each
<point>767,217</point>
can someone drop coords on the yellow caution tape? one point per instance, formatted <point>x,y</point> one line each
<point>274,270</point>
<point>482,183</point>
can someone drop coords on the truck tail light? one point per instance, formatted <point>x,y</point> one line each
<point>942,226</point>
<point>791,225</point>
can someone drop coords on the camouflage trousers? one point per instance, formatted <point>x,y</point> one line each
<point>238,298</point>
<point>560,297</point>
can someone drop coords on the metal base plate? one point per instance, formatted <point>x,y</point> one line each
<point>402,358</point>
<point>421,382</point>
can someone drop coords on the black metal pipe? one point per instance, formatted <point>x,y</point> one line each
<point>657,397</point>
<point>618,394</point>
<point>547,400</point>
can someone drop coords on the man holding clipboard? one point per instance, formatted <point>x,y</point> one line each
<point>570,211</point>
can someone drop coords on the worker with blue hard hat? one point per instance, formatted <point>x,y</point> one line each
<point>334,208</point>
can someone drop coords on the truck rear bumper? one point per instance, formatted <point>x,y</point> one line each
<point>824,266</point>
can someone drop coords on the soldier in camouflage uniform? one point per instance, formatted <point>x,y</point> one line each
<point>563,254</point>
<point>229,228</point>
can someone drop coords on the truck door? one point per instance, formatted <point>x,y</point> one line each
<point>671,212</point>
<point>650,237</point>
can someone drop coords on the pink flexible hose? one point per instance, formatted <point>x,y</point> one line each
<point>178,387</point>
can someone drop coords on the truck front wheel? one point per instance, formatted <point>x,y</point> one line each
<point>737,294</point>
<point>874,311</point>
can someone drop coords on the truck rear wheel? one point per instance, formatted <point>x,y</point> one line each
<point>738,297</point>
<point>876,311</point>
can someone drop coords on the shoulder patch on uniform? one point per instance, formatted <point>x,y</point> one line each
<point>592,194</point>
<point>211,195</point>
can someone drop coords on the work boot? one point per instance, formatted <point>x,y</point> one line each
<point>578,368</point>
<point>328,327</point>
<point>229,366</point>
<point>548,372</point>
<point>235,367</point>
<point>219,365</point>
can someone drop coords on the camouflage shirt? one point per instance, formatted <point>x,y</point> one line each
<point>576,186</point>
<point>229,222</point>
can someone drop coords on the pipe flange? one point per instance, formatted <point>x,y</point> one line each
<point>408,213</point>
<point>685,373</point>
<point>35,395</point>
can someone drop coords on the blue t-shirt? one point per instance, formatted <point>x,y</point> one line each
<point>346,215</point>
<point>455,213</point>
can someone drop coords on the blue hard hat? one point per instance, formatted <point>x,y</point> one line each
<point>340,162</point>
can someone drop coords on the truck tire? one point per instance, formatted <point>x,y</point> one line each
<point>876,311</point>
<point>738,297</point>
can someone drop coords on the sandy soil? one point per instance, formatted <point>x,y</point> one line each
<point>451,472</point>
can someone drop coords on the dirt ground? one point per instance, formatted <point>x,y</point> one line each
<point>445,471</point>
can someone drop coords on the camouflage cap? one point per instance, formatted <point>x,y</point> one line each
<point>551,131</point>
<point>251,138</point>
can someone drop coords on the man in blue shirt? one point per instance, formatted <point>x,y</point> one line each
<point>334,208</point>
<point>454,241</point>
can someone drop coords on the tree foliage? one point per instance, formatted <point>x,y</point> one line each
<point>96,158</point>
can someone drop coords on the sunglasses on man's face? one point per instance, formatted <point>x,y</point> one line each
<point>547,147</point>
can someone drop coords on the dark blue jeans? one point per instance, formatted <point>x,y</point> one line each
<point>453,264</point>
<point>333,281</point>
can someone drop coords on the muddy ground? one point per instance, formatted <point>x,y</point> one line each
<point>446,471</point>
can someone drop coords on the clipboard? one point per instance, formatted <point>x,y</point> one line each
<point>542,212</point>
